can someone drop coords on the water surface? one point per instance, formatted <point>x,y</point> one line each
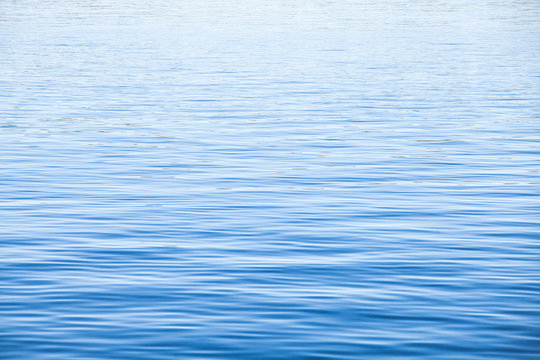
<point>269,180</point>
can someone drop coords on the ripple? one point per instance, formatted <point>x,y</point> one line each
<point>212,180</point>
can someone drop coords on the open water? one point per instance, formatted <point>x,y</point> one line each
<point>257,179</point>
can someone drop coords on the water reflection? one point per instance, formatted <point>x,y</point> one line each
<point>267,180</point>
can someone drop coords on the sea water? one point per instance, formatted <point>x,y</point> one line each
<point>268,179</point>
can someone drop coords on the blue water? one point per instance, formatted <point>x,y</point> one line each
<point>257,179</point>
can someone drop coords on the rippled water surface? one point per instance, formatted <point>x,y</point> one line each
<point>265,180</point>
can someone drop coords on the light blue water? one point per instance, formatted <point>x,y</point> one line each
<point>269,180</point>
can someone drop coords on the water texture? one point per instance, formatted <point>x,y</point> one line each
<point>257,179</point>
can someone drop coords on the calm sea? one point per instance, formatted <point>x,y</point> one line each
<point>269,179</point>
